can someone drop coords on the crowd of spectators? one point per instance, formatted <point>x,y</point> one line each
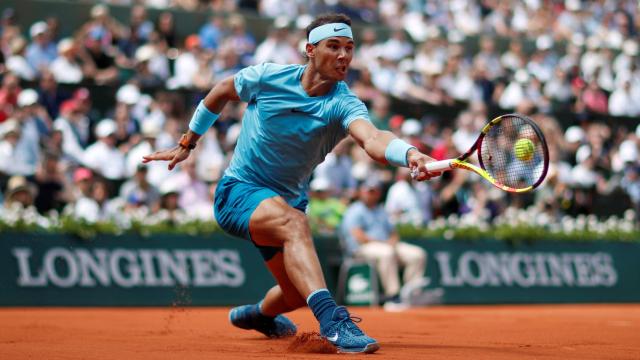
<point>59,153</point>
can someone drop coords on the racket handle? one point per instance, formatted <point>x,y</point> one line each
<point>441,165</point>
<point>435,166</point>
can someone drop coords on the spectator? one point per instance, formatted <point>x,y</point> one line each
<point>212,33</point>
<point>337,169</point>
<point>169,210</point>
<point>624,102</point>
<point>277,47</point>
<point>94,206</point>
<point>408,202</point>
<point>186,65</point>
<point>158,172</point>
<point>103,157</point>
<point>240,40</point>
<point>166,28</point>
<point>138,192</point>
<point>192,190</point>
<point>53,192</point>
<point>101,66</point>
<point>369,234</point>
<point>144,77</point>
<point>17,63</point>
<point>50,95</point>
<point>66,68</point>
<point>19,192</point>
<point>325,211</point>
<point>8,95</point>
<point>26,152</point>
<point>42,51</point>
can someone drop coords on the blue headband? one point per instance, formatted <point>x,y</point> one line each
<point>329,30</point>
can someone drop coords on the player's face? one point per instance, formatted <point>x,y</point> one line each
<point>333,56</point>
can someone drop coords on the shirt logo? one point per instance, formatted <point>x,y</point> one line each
<point>338,29</point>
<point>294,110</point>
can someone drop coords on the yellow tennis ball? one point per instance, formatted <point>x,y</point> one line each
<point>524,149</point>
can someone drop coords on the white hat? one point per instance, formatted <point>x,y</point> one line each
<point>145,53</point>
<point>128,94</point>
<point>105,128</point>
<point>27,97</point>
<point>281,22</point>
<point>9,126</point>
<point>583,153</point>
<point>38,28</point>
<point>521,76</point>
<point>65,45</point>
<point>630,47</point>
<point>320,184</point>
<point>169,187</point>
<point>150,129</point>
<point>411,127</point>
<point>99,10</point>
<point>544,42</point>
<point>574,134</point>
<point>628,151</point>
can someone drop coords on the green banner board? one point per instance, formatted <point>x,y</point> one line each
<point>541,272</point>
<point>127,270</point>
<point>163,270</point>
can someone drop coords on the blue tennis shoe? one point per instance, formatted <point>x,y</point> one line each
<point>347,336</point>
<point>249,317</point>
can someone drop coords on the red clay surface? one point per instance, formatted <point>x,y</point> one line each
<point>452,332</point>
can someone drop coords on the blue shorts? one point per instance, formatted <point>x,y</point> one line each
<point>235,202</point>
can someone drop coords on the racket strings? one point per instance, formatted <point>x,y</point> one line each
<point>519,168</point>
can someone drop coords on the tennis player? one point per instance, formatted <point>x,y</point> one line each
<point>296,114</point>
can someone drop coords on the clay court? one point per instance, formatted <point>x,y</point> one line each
<point>451,332</point>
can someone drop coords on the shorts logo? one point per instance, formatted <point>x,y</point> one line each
<point>297,111</point>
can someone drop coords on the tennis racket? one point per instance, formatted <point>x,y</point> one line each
<point>512,155</point>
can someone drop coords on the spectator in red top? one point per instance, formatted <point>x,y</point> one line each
<point>594,99</point>
<point>8,95</point>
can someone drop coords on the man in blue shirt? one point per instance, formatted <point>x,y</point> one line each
<point>295,115</point>
<point>369,234</point>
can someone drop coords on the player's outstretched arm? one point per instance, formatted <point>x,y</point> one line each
<point>385,147</point>
<point>205,115</point>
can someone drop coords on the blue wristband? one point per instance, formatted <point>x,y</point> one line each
<point>396,152</point>
<point>202,119</point>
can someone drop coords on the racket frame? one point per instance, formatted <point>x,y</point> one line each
<point>461,161</point>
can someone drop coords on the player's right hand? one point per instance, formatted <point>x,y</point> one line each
<point>175,155</point>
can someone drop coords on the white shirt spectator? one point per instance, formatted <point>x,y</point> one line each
<point>20,157</point>
<point>184,69</point>
<point>105,160</point>
<point>277,49</point>
<point>66,71</point>
<point>18,65</point>
<point>158,171</point>
<point>407,204</point>
<point>623,103</point>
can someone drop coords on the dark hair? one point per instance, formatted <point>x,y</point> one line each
<point>328,19</point>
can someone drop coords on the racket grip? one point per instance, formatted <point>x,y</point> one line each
<point>435,166</point>
<point>441,165</point>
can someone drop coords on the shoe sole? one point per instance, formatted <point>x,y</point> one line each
<point>370,348</point>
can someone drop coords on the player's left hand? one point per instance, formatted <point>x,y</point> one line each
<point>417,162</point>
<point>175,155</point>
